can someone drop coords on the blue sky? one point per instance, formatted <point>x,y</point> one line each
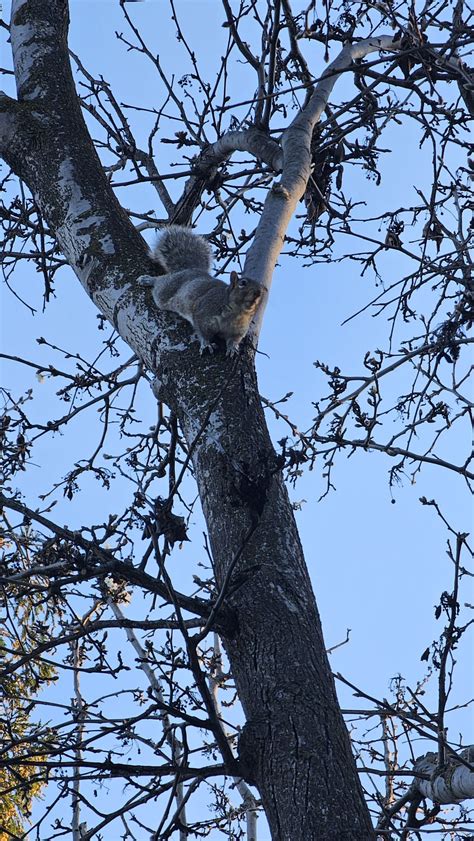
<point>377,567</point>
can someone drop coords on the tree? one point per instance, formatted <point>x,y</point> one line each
<point>294,746</point>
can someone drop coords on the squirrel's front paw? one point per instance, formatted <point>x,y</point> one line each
<point>146,280</point>
<point>232,347</point>
<point>204,345</point>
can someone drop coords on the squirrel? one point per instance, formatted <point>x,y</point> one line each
<point>215,309</point>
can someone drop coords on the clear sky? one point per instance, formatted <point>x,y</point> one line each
<point>378,567</point>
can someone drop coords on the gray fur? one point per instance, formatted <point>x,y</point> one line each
<point>179,248</point>
<point>215,309</point>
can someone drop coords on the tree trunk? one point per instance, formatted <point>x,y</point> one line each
<point>295,746</point>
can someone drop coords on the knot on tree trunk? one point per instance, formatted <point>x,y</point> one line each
<point>252,739</point>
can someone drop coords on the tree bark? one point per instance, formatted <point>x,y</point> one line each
<point>452,784</point>
<point>294,746</point>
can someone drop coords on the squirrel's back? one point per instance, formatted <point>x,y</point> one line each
<point>215,309</point>
<point>179,248</point>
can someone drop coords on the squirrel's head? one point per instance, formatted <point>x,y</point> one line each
<point>245,291</point>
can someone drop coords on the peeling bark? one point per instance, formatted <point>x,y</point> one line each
<point>451,784</point>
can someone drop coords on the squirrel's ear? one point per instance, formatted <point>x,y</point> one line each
<point>234,279</point>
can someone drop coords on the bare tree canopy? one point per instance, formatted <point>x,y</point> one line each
<point>163,668</point>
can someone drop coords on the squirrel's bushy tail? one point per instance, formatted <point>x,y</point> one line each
<point>180,249</point>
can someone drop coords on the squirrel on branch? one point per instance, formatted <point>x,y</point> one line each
<point>215,309</point>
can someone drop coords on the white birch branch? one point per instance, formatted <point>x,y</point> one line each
<point>452,784</point>
<point>251,140</point>
<point>248,800</point>
<point>284,196</point>
<point>78,707</point>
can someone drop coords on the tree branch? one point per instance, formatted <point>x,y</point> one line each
<point>283,198</point>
